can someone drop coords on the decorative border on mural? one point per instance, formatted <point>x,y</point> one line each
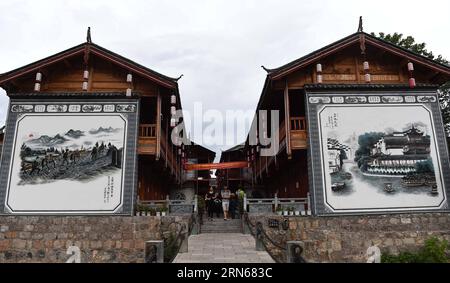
<point>384,208</point>
<point>126,108</point>
<point>72,211</point>
<point>317,100</point>
<point>370,99</point>
<point>73,108</point>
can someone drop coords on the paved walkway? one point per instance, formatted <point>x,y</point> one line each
<point>222,248</point>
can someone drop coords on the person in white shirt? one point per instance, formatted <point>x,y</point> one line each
<point>226,194</point>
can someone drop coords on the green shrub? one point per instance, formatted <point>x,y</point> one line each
<point>434,251</point>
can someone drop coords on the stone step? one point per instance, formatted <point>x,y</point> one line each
<point>220,231</point>
<point>218,225</point>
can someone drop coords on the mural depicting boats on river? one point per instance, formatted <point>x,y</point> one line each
<point>388,159</point>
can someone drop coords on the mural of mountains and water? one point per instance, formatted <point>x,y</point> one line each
<point>74,154</point>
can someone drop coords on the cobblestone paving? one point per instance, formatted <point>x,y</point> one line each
<point>222,248</point>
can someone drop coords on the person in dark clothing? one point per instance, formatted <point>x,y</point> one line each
<point>233,206</point>
<point>218,204</point>
<point>209,198</point>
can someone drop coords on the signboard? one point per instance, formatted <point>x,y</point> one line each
<point>69,157</point>
<point>377,152</point>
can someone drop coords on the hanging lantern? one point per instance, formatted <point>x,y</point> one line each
<point>172,122</point>
<point>173,99</point>
<point>319,73</point>
<point>37,87</point>
<point>182,154</point>
<point>410,66</point>
<point>179,151</point>
<point>38,76</point>
<point>366,65</point>
<point>129,78</point>
<point>412,82</point>
<point>85,86</point>
<point>173,110</point>
<point>86,75</point>
<point>367,78</point>
<point>319,79</point>
<point>319,68</point>
<point>128,92</point>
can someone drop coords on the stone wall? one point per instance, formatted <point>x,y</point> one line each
<point>346,238</point>
<point>100,238</point>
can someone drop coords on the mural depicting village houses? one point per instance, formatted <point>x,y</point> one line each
<point>379,158</point>
<point>401,159</point>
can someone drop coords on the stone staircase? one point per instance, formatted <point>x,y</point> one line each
<point>218,225</point>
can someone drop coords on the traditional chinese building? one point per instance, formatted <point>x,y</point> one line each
<point>91,72</point>
<point>357,64</point>
<point>195,182</point>
<point>234,177</point>
<point>399,152</point>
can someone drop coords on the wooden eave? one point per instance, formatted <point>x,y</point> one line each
<point>277,73</point>
<point>99,51</point>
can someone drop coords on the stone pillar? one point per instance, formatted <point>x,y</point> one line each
<point>294,251</point>
<point>195,225</point>
<point>245,228</point>
<point>184,243</point>
<point>154,251</point>
<point>259,237</point>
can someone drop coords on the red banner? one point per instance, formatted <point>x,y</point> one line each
<point>222,165</point>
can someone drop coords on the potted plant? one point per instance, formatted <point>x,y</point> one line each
<point>164,211</point>
<point>297,212</point>
<point>145,210</point>
<point>139,210</point>
<point>279,210</point>
<point>158,211</point>
<point>286,211</point>
<point>152,211</point>
<point>291,211</point>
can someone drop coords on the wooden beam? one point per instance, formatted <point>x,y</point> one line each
<point>358,79</point>
<point>220,166</point>
<point>91,71</point>
<point>158,126</point>
<point>287,120</point>
<point>67,64</point>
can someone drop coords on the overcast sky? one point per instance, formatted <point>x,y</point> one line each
<point>219,46</point>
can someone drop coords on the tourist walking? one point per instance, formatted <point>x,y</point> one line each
<point>209,198</point>
<point>217,205</point>
<point>226,194</point>
<point>233,205</point>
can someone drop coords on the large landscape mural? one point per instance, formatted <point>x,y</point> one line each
<point>379,157</point>
<point>70,162</point>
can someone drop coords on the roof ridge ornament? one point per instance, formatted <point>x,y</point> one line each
<point>265,69</point>
<point>88,35</point>
<point>360,26</point>
<point>177,79</point>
